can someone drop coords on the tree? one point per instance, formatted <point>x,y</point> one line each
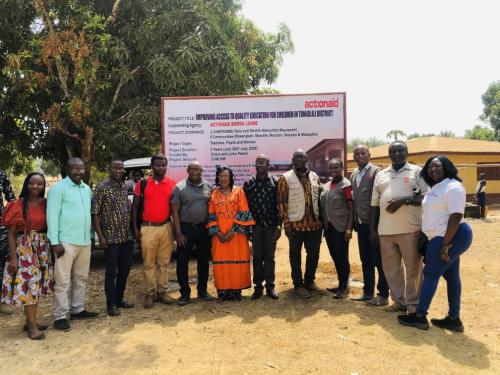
<point>264,91</point>
<point>15,153</point>
<point>418,135</point>
<point>447,133</point>
<point>480,132</point>
<point>49,167</point>
<point>491,110</point>
<point>396,134</point>
<point>19,134</point>
<point>442,133</point>
<point>369,142</point>
<point>94,71</point>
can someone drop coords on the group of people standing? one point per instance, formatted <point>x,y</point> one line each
<point>49,248</point>
<point>399,213</point>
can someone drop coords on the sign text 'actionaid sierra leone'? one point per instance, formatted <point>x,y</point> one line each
<point>232,131</point>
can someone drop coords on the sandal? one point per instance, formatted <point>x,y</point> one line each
<point>41,336</point>
<point>41,327</point>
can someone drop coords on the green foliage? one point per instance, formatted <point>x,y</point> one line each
<point>97,176</point>
<point>15,152</point>
<point>50,167</point>
<point>418,135</point>
<point>264,91</point>
<point>396,134</point>
<point>85,78</point>
<point>19,133</point>
<point>369,142</point>
<point>442,133</point>
<point>481,133</point>
<point>491,110</point>
<point>447,133</point>
<point>16,181</point>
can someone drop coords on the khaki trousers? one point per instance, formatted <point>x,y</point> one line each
<point>156,244</point>
<point>400,256</point>
<point>70,270</point>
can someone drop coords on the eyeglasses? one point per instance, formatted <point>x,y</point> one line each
<point>80,170</point>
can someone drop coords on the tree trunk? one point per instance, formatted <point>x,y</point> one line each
<point>87,145</point>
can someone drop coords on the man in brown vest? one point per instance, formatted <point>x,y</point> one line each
<point>362,186</point>
<point>298,203</point>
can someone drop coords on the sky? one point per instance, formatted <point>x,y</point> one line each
<point>417,66</point>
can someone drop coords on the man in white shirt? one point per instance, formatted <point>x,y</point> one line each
<point>396,199</point>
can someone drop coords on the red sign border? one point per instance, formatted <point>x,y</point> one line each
<point>166,98</point>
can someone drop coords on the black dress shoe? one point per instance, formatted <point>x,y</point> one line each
<point>363,298</point>
<point>333,290</point>
<point>205,296</point>
<point>114,311</point>
<point>341,294</point>
<point>271,293</point>
<point>237,296</point>
<point>62,325</point>
<point>313,288</point>
<point>183,300</point>
<point>257,293</point>
<point>84,315</point>
<point>125,305</point>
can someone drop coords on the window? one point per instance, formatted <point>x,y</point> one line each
<point>491,172</point>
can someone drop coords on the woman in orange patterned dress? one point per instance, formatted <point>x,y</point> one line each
<point>229,224</point>
<point>28,272</point>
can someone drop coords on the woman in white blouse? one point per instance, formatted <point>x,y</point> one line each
<point>449,237</point>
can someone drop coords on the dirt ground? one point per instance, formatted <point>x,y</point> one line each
<point>287,336</point>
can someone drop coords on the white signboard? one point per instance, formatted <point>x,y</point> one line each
<point>232,131</point>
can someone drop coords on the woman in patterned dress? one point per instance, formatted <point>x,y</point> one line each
<point>229,223</point>
<point>28,272</point>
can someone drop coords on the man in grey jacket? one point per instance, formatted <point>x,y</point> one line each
<point>362,179</point>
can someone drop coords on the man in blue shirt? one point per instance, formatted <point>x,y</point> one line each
<point>69,232</point>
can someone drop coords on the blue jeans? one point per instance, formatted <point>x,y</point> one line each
<point>435,268</point>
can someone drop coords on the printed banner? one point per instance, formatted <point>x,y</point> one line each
<point>232,131</point>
